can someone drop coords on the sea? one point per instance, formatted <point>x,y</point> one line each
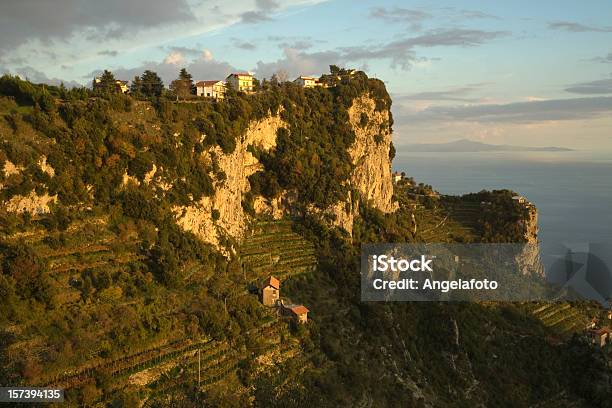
<point>572,190</point>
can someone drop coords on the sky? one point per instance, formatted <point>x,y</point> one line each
<point>509,72</point>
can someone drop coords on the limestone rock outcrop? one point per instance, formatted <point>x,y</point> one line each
<point>212,218</point>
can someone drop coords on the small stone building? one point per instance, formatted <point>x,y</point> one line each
<point>270,291</point>
<point>298,312</point>
<point>601,337</point>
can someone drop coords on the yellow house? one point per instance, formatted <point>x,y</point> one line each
<point>210,89</point>
<point>241,81</point>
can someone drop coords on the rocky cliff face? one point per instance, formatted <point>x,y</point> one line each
<point>32,203</point>
<point>529,259</point>
<point>369,153</point>
<point>530,224</point>
<point>221,215</point>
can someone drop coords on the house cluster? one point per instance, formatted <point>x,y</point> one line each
<point>397,177</point>
<point>270,296</point>
<point>215,89</point>
<point>243,82</point>
<point>309,82</point>
<point>598,334</point>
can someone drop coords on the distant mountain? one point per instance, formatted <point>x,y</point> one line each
<point>465,145</point>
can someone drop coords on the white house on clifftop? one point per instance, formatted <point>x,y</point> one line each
<point>210,89</point>
<point>307,81</point>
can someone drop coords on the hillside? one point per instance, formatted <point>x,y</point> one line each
<point>134,234</point>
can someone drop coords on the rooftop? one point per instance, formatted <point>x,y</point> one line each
<point>207,83</point>
<point>272,281</point>
<point>299,309</point>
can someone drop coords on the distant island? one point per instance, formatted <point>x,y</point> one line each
<point>465,145</point>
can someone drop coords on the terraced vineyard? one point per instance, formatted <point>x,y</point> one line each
<point>274,249</point>
<point>219,360</point>
<point>563,317</point>
<point>447,222</point>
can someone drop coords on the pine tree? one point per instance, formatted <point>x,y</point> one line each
<point>136,86</point>
<point>152,84</point>
<point>106,83</point>
<point>187,78</point>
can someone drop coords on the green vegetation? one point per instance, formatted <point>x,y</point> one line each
<point>106,296</point>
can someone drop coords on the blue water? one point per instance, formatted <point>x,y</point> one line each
<point>572,190</point>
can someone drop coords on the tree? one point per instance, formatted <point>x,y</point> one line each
<point>136,86</point>
<point>183,86</point>
<point>257,85</point>
<point>152,84</point>
<point>180,88</point>
<point>106,83</point>
<point>186,77</point>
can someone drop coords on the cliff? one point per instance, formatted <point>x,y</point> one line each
<point>370,154</point>
<point>201,165</point>
<point>529,224</point>
<point>370,177</point>
<point>230,218</point>
<point>113,284</point>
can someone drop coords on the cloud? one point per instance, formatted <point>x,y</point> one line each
<point>401,52</point>
<point>518,112</point>
<point>28,20</point>
<point>297,45</point>
<point>253,17</point>
<point>38,77</point>
<point>264,9</point>
<point>607,59</point>
<point>108,53</point>
<point>413,17</point>
<point>455,94</point>
<point>206,55</point>
<point>243,45</point>
<point>574,27</point>
<point>475,15</point>
<point>297,62</point>
<point>294,41</point>
<point>205,67</point>
<point>187,51</point>
<point>267,4</point>
<point>175,58</point>
<point>597,87</point>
